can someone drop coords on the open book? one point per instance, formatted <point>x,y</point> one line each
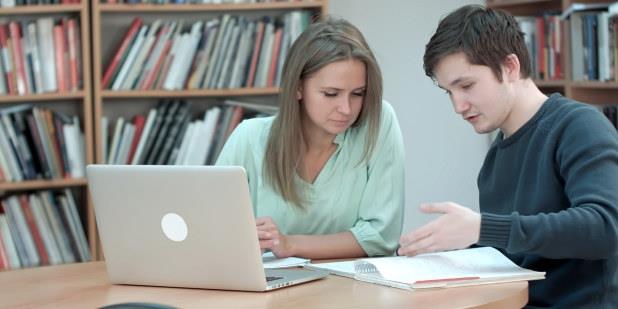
<point>434,270</point>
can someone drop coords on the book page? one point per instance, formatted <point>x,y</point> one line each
<point>270,261</point>
<point>481,263</point>
<point>345,268</point>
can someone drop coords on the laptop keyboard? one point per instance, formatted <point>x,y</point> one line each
<point>269,279</point>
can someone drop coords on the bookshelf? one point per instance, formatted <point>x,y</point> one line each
<point>110,23</point>
<point>76,101</point>
<point>590,91</point>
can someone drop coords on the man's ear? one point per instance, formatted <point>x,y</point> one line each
<point>511,68</point>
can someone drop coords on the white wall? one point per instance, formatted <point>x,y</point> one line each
<point>443,153</point>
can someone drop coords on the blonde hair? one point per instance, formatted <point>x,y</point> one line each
<point>323,42</point>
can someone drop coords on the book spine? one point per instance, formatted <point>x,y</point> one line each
<point>18,58</point>
<point>122,49</point>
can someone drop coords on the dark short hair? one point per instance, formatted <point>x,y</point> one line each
<point>484,35</point>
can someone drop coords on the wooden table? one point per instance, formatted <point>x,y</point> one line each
<point>85,285</point>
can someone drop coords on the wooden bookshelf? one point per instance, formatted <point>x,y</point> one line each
<point>551,83</point>
<point>119,16</point>
<point>194,93</point>
<point>44,97</point>
<point>82,98</point>
<point>44,9</point>
<point>593,92</point>
<point>224,7</point>
<point>42,184</point>
<point>526,7</point>
<point>612,85</point>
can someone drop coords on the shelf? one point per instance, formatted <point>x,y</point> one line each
<point>526,7</point>
<point>508,3</point>
<point>42,9</point>
<point>595,85</point>
<point>168,8</point>
<point>110,94</point>
<point>550,83</point>
<point>41,97</point>
<point>42,184</point>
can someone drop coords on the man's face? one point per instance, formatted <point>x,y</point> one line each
<point>475,92</point>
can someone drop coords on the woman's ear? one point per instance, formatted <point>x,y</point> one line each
<point>511,68</point>
<point>299,92</point>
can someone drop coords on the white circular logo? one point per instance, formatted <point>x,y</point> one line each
<point>174,227</point>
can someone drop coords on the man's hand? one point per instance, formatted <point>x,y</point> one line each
<point>458,227</point>
<point>270,237</point>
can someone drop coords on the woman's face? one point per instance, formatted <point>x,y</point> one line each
<point>332,98</point>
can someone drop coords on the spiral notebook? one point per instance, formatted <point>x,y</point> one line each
<point>434,270</point>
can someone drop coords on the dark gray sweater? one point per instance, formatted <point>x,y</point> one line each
<point>549,201</point>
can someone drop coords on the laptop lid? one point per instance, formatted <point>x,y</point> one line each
<point>179,226</point>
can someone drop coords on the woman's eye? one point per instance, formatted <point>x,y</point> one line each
<point>330,94</point>
<point>359,94</point>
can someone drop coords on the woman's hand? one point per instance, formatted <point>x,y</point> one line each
<point>271,239</point>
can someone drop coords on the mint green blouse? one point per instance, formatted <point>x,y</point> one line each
<point>365,198</point>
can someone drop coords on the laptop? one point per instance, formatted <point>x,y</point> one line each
<point>182,226</point>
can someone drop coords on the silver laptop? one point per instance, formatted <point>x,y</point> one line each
<point>182,226</point>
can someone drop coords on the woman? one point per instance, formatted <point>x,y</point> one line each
<point>326,174</point>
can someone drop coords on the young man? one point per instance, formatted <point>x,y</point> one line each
<point>549,185</point>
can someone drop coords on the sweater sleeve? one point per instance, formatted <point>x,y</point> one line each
<point>381,211</point>
<point>586,159</point>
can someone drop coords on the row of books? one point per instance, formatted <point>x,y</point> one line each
<point>594,38</point>
<point>37,143</point>
<point>14,3</point>
<point>42,55</point>
<point>226,52</point>
<point>543,36</point>
<point>611,112</point>
<point>42,228</point>
<point>193,1</point>
<point>168,136</point>
<point>593,46</point>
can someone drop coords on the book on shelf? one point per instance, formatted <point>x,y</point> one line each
<point>149,139</point>
<point>582,7</point>
<point>41,55</point>
<point>36,143</point>
<point>7,242</point>
<point>163,133</point>
<point>215,54</point>
<point>41,228</point>
<point>543,36</point>
<point>4,257</point>
<point>113,67</point>
<point>594,34</point>
<point>179,122</point>
<point>19,3</point>
<point>138,122</point>
<point>168,135</point>
<point>475,266</point>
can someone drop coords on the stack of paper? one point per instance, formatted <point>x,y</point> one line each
<point>271,261</point>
